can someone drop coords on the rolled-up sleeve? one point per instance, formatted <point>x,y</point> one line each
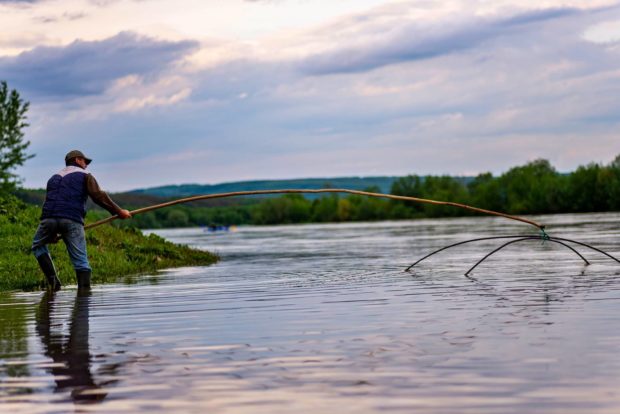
<point>99,196</point>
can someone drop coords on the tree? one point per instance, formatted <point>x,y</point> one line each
<point>409,186</point>
<point>532,188</point>
<point>614,192</point>
<point>487,192</point>
<point>585,192</point>
<point>177,218</point>
<point>12,145</point>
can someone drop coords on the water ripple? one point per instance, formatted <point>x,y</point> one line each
<point>315,318</point>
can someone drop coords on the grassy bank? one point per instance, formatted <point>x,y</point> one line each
<point>113,252</point>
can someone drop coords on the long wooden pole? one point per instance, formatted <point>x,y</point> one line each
<point>323,190</point>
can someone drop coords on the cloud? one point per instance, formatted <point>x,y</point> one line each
<point>492,91</point>
<point>62,17</point>
<point>412,41</point>
<point>89,67</point>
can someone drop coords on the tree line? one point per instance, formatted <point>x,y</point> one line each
<point>533,188</point>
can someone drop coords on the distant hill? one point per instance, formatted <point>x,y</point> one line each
<point>186,190</point>
<point>155,195</point>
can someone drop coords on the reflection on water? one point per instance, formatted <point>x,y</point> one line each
<point>13,335</point>
<point>70,355</point>
<point>319,318</point>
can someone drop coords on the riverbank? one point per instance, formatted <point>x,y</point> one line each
<point>113,252</point>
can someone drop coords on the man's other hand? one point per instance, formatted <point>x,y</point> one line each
<point>124,214</point>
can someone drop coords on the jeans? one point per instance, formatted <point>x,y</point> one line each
<point>72,234</point>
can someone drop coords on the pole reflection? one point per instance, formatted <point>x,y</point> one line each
<point>71,355</point>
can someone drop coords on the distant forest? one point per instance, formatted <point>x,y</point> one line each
<point>534,188</point>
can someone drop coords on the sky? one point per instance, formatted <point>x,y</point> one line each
<point>164,92</point>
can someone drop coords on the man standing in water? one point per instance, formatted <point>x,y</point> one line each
<point>63,216</point>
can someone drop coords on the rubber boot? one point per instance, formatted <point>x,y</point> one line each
<point>83,279</point>
<point>47,266</point>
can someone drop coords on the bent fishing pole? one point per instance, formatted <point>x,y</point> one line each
<point>515,238</point>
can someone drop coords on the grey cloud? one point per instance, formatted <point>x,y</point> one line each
<point>411,42</point>
<point>19,2</point>
<point>536,16</point>
<point>541,81</point>
<point>62,17</point>
<point>89,67</point>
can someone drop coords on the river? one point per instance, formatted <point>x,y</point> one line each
<point>323,318</point>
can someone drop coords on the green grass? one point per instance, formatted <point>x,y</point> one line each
<point>113,252</point>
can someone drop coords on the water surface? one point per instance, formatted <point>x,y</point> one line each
<point>322,318</point>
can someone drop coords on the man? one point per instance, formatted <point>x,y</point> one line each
<point>63,216</point>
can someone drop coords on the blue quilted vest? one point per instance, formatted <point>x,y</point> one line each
<point>66,195</point>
